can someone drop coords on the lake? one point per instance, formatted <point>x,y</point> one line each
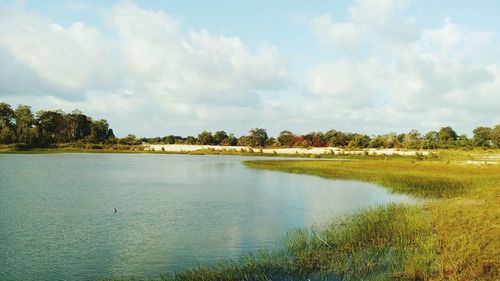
<point>57,219</point>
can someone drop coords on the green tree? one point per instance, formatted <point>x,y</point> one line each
<point>359,140</point>
<point>336,138</point>
<point>205,138</point>
<point>285,138</point>
<point>51,125</point>
<point>220,137</point>
<point>447,137</point>
<point>495,135</point>
<point>100,131</point>
<point>170,139</point>
<point>412,139</point>
<point>78,126</point>
<point>26,129</point>
<point>482,136</point>
<point>6,115</point>
<point>230,140</point>
<point>190,140</point>
<point>258,137</point>
<point>464,141</point>
<point>431,140</point>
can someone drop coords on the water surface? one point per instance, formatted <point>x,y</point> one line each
<point>174,211</point>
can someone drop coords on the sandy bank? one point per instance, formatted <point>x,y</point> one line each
<point>306,151</point>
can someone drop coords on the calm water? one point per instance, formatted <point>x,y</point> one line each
<point>57,220</point>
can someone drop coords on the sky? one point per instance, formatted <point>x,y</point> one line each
<point>154,68</point>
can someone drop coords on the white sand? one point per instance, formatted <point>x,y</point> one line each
<point>306,151</point>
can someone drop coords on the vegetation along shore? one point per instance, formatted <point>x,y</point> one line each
<point>454,235</point>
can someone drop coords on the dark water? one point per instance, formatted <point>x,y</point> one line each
<point>57,220</point>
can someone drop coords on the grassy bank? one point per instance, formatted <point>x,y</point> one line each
<point>454,237</point>
<point>464,241</point>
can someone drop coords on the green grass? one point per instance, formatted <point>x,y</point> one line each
<point>454,237</point>
<point>393,241</point>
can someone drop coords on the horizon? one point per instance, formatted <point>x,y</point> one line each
<point>154,68</point>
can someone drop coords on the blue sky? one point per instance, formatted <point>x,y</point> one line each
<point>178,67</point>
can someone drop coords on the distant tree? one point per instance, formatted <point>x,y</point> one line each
<point>359,141</point>
<point>285,138</point>
<point>78,126</point>
<point>447,137</point>
<point>52,126</point>
<point>6,115</point>
<point>245,141</point>
<point>412,139</point>
<point>205,138</point>
<point>482,136</point>
<point>431,140</point>
<point>336,138</point>
<point>190,140</point>
<point>258,137</point>
<point>170,139</point>
<point>315,139</point>
<point>376,142</point>
<point>230,140</point>
<point>390,140</point>
<point>130,139</point>
<point>495,135</point>
<point>100,131</point>
<point>463,141</point>
<point>26,129</point>
<point>220,137</point>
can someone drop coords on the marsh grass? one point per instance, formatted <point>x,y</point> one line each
<point>431,179</point>
<point>393,241</point>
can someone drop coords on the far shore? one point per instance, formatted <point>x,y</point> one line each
<point>288,151</point>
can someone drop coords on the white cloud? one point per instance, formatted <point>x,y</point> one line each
<point>148,65</point>
<point>70,57</point>
<point>443,75</point>
<point>148,73</point>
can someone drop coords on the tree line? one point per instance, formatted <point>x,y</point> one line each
<point>50,127</point>
<point>446,137</point>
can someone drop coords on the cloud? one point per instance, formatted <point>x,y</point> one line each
<point>420,76</point>
<point>143,63</point>
<point>148,73</point>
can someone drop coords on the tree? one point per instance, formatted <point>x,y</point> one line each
<point>220,137</point>
<point>190,140</point>
<point>230,140</point>
<point>336,138</point>
<point>258,137</point>
<point>431,140</point>
<point>6,115</point>
<point>285,138</point>
<point>412,139</point>
<point>170,139</point>
<point>26,129</point>
<point>482,136</point>
<point>316,139</point>
<point>464,141</point>
<point>100,131</point>
<point>447,137</point>
<point>51,125</point>
<point>359,140</point>
<point>495,135</point>
<point>205,138</point>
<point>78,126</point>
<point>376,142</point>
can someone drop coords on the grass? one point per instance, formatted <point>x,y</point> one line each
<point>464,243</point>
